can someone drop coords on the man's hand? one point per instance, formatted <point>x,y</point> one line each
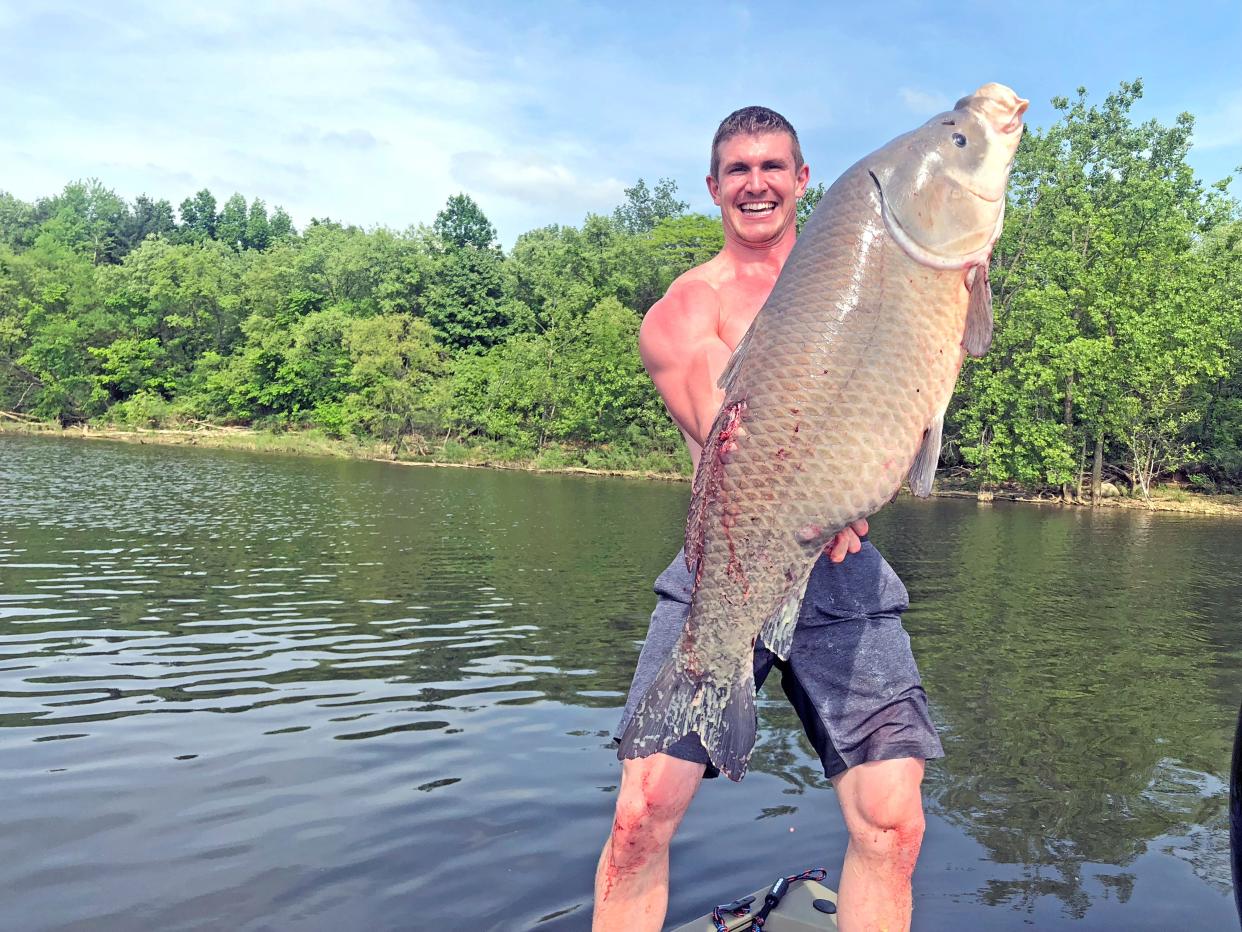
<point>847,541</point>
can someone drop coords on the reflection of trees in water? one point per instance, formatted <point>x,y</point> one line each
<point>1066,654</point>
<point>1080,665</point>
<point>461,582</point>
<point>781,748</point>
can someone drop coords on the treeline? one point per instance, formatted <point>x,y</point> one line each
<point>1117,282</point>
<point>417,338</point>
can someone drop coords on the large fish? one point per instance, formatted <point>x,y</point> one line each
<point>836,394</point>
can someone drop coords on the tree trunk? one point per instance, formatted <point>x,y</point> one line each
<point>1097,470</point>
<point>1082,467</point>
<point>1067,418</point>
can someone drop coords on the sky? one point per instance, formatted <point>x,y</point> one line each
<point>375,113</point>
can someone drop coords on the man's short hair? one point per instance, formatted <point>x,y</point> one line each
<point>752,121</point>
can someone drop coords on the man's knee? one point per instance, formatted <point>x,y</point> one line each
<point>653,798</point>
<point>890,834</point>
<point>883,808</point>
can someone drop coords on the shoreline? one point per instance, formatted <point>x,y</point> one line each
<point>307,443</point>
<point>310,443</point>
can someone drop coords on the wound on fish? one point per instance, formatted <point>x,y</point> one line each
<point>808,533</point>
<point>724,437</point>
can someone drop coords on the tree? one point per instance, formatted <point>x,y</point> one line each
<point>52,316</point>
<point>198,217</point>
<point>90,219</point>
<point>258,229</point>
<point>463,224</point>
<point>280,226</point>
<point>686,241</point>
<point>395,363</point>
<point>231,227</point>
<point>1106,330</point>
<point>17,221</point>
<point>149,218</point>
<point>377,272</point>
<point>465,300</point>
<point>644,208</point>
<point>185,295</point>
<point>807,203</point>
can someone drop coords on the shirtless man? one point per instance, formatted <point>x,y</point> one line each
<point>872,743</point>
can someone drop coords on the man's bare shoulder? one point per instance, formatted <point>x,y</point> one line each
<point>691,304</point>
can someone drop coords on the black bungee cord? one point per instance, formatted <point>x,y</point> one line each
<point>771,900</point>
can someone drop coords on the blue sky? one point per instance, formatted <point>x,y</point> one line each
<point>374,113</point>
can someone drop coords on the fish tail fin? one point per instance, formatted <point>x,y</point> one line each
<point>677,704</point>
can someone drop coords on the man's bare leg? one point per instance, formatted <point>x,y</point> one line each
<point>883,809</point>
<point>631,882</point>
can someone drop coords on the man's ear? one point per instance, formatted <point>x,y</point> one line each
<point>804,178</point>
<point>713,188</point>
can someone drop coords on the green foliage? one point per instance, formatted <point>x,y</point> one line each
<point>231,227</point>
<point>396,366</point>
<point>148,218</point>
<point>644,208</point>
<point>17,222</point>
<point>145,409</point>
<point>280,226</point>
<point>129,365</point>
<point>258,228</point>
<point>1117,286</point>
<point>464,303</point>
<point>808,202</point>
<point>1113,319</point>
<point>462,224</point>
<point>89,219</point>
<point>199,217</point>
<point>689,240</point>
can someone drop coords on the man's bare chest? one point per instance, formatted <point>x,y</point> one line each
<point>736,316</point>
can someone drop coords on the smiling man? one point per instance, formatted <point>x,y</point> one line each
<point>872,743</point>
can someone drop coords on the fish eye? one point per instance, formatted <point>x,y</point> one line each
<point>959,140</point>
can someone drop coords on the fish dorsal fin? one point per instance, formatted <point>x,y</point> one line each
<point>923,471</point>
<point>729,376</point>
<point>978,336</point>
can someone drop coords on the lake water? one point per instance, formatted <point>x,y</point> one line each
<point>256,692</point>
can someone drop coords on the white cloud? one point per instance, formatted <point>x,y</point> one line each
<point>924,103</point>
<point>534,180</point>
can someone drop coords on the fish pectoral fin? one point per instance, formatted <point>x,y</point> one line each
<point>923,470</point>
<point>735,361</point>
<point>978,336</point>
<point>778,631</point>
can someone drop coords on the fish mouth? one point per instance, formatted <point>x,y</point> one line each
<point>930,257</point>
<point>984,197</point>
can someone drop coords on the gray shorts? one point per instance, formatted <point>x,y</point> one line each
<point>850,674</point>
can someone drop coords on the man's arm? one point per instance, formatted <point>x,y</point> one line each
<point>683,353</point>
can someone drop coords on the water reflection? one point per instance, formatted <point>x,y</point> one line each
<point>266,691</point>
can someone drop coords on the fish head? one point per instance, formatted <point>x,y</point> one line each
<point>942,186</point>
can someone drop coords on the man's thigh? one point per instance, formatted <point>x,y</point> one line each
<point>851,675</point>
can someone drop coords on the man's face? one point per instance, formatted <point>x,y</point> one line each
<point>758,186</point>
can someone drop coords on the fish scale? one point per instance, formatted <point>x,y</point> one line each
<point>828,399</point>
